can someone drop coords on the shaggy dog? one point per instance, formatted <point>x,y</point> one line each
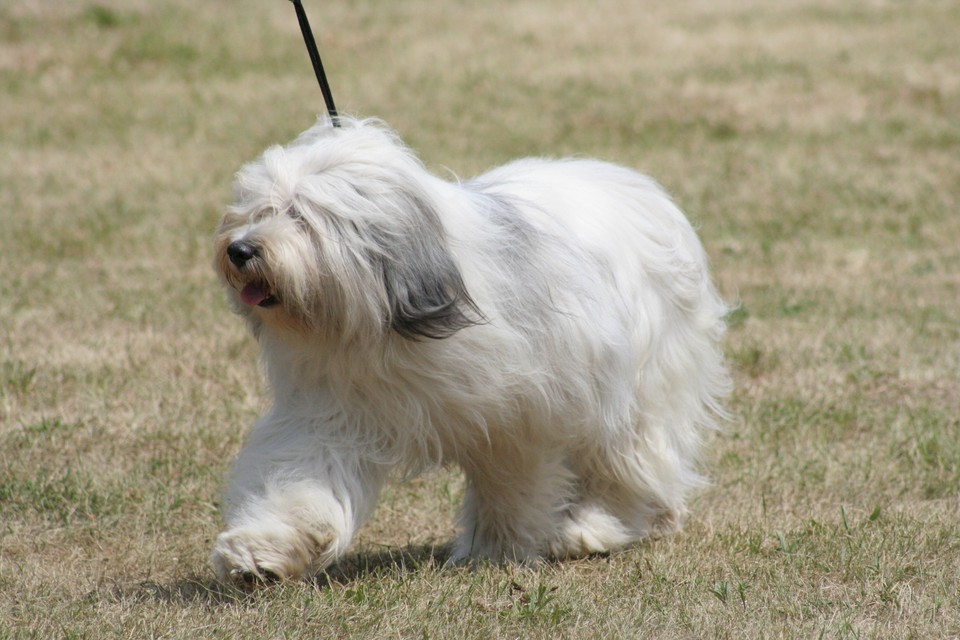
<point>549,326</point>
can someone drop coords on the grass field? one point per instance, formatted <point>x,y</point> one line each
<point>816,144</point>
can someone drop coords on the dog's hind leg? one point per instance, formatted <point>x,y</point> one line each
<point>623,497</point>
<point>602,523</point>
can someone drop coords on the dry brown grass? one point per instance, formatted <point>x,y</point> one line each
<point>816,144</point>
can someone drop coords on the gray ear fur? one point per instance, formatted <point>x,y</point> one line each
<point>425,291</point>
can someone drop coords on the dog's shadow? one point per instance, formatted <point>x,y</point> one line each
<point>208,591</point>
<point>389,561</point>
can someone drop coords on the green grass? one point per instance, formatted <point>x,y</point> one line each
<point>815,144</point>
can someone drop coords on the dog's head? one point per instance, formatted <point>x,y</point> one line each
<point>341,233</point>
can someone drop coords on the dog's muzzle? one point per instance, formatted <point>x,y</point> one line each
<point>241,252</point>
<point>256,292</point>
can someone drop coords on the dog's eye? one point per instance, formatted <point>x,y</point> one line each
<point>294,213</point>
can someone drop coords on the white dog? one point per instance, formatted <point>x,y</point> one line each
<point>549,326</point>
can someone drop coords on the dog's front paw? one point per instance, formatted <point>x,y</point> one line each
<point>257,554</point>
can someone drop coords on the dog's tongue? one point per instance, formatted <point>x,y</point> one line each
<point>254,293</point>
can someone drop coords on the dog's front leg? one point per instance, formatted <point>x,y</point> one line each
<point>292,506</point>
<point>515,505</point>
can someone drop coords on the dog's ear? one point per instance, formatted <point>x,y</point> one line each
<point>425,290</point>
<point>431,302</point>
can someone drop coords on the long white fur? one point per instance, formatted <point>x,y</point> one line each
<point>571,375</point>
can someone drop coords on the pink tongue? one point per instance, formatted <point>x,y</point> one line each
<point>253,294</point>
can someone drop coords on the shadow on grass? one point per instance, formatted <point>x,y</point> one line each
<point>207,590</point>
<point>389,561</point>
<point>193,590</point>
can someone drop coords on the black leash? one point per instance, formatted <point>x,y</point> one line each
<point>317,64</point>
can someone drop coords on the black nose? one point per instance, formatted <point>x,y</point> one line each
<point>241,252</point>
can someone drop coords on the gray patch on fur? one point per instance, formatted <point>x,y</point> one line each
<point>424,287</point>
<point>518,243</point>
